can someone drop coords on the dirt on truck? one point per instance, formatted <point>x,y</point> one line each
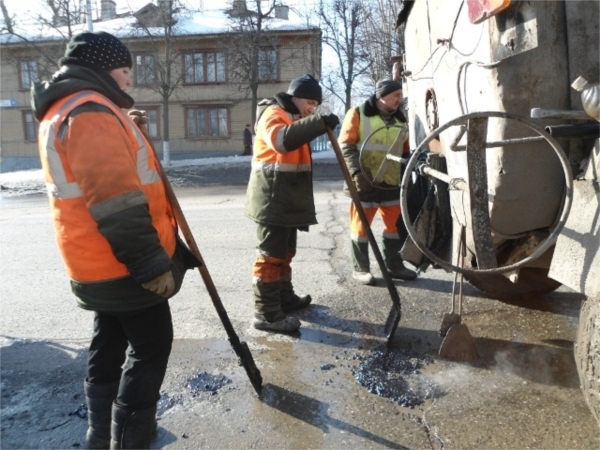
<point>502,99</point>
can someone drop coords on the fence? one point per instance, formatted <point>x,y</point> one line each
<point>321,144</point>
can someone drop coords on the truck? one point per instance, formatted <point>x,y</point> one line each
<point>500,98</point>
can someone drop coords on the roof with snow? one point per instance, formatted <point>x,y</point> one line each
<point>205,22</point>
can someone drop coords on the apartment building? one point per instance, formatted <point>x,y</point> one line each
<point>210,99</point>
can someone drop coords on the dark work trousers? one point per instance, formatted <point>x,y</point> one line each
<point>276,248</point>
<point>149,335</point>
<point>276,241</point>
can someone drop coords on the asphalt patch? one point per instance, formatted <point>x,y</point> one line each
<point>205,382</point>
<point>397,376</point>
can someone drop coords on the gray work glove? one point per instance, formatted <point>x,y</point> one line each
<point>361,183</point>
<point>331,120</point>
<point>162,285</point>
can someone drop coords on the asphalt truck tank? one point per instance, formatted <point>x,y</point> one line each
<point>503,93</point>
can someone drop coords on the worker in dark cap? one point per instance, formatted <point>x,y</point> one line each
<point>280,196</point>
<point>380,112</point>
<point>116,234</point>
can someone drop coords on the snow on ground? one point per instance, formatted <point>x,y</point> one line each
<point>10,178</point>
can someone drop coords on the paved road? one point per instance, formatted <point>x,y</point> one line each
<point>522,393</point>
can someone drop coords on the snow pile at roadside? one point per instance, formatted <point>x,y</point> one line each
<point>32,181</point>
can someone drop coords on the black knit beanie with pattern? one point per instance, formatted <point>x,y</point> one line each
<point>99,51</point>
<point>386,86</point>
<point>306,87</point>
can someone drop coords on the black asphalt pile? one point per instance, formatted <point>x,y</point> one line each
<point>205,382</point>
<point>397,376</point>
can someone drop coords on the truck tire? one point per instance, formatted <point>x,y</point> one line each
<point>587,354</point>
<point>533,282</point>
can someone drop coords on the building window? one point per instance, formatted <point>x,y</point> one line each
<point>30,126</point>
<point>207,122</point>
<point>145,70</point>
<point>267,65</point>
<point>203,67</point>
<point>153,122</point>
<point>29,73</point>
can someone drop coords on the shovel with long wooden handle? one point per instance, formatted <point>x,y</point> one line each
<point>391,323</point>
<point>241,348</point>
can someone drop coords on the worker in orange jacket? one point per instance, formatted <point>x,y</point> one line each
<point>115,231</point>
<point>280,197</point>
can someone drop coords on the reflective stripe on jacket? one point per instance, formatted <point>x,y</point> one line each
<point>126,176</point>
<point>374,153</point>
<point>280,190</point>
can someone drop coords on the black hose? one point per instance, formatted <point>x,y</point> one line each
<point>579,130</point>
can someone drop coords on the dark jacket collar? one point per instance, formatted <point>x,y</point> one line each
<point>73,78</point>
<point>285,101</point>
<point>371,109</point>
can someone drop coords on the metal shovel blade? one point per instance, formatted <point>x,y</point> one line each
<point>459,345</point>
<point>448,320</point>
<point>250,367</point>
<point>391,323</point>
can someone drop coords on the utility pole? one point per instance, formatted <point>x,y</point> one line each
<point>88,10</point>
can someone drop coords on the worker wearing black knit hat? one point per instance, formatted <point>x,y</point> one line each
<point>306,87</point>
<point>386,86</point>
<point>99,50</point>
<point>94,61</point>
<point>115,232</point>
<point>280,197</point>
<point>373,128</point>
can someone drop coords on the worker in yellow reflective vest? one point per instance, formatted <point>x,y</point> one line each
<point>375,122</point>
<point>280,197</point>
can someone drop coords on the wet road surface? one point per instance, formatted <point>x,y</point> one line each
<point>321,384</point>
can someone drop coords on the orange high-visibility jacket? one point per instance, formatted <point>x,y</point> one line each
<point>107,167</point>
<point>280,190</point>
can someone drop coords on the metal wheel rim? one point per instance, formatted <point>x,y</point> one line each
<point>550,240</point>
<point>360,152</point>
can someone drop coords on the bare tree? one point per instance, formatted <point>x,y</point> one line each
<point>379,39</point>
<point>251,49</point>
<point>160,68</point>
<point>257,51</point>
<point>7,24</point>
<point>60,16</point>
<point>342,22</point>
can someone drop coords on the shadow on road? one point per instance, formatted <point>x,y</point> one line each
<point>314,412</point>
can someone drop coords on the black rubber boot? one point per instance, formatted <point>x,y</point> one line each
<point>132,429</point>
<point>360,256</point>
<point>268,315</point>
<point>267,297</point>
<point>99,399</point>
<point>360,262</point>
<point>290,301</point>
<point>277,322</point>
<point>393,260</point>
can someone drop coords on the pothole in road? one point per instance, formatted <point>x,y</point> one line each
<point>202,383</point>
<point>205,382</point>
<point>397,376</point>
